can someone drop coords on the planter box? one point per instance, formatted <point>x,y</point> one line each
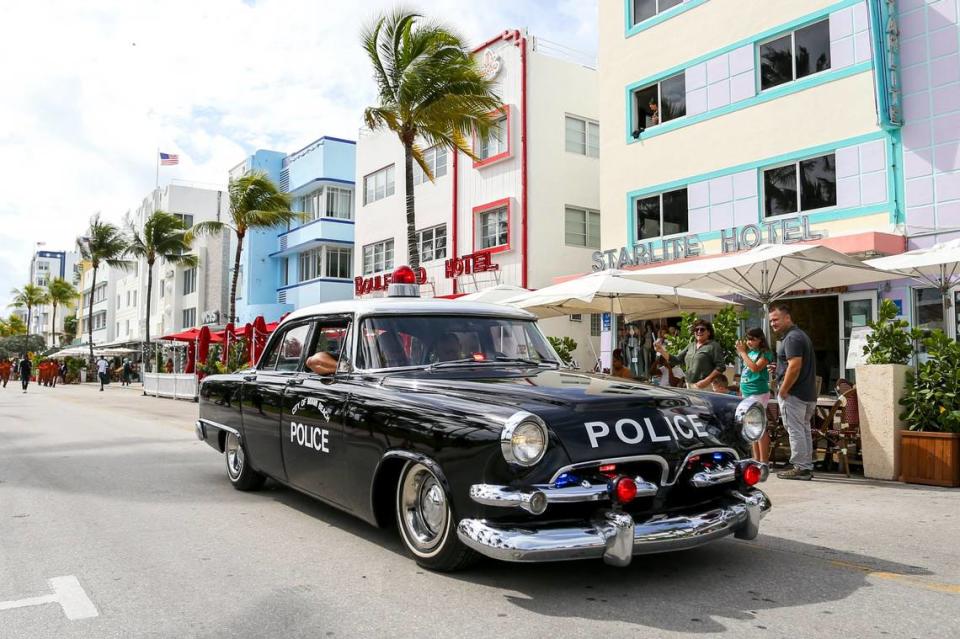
<point>879,389</point>
<point>930,458</point>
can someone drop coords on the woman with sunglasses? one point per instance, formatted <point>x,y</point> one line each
<point>703,360</point>
<point>755,381</point>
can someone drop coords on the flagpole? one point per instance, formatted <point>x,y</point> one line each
<point>157,159</point>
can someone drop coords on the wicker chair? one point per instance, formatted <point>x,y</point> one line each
<point>778,434</point>
<point>841,437</point>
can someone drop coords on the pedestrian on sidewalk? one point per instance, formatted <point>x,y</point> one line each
<point>102,366</point>
<point>755,380</point>
<point>25,368</point>
<point>703,359</point>
<point>797,390</point>
<point>5,367</point>
<point>126,372</point>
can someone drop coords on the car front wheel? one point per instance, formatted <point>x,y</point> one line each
<point>426,521</point>
<point>241,475</point>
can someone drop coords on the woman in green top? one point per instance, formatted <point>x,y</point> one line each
<point>755,380</point>
<point>702,360</point>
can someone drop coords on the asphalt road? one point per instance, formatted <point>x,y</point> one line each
<point>113,489</point>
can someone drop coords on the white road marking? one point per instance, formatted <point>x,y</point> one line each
<point>67,592</point>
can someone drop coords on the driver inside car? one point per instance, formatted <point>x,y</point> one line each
<point>322,363</point>
<point>447,348</point>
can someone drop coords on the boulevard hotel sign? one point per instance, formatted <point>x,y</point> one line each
<point>733,239</point>
<point>453,268</point>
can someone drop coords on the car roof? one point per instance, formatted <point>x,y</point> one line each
<point>402,305</point>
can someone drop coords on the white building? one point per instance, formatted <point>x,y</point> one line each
<point>46,266</point>
<point>103,311</point>
<point>527,211</point>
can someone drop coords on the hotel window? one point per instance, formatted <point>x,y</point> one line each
<point>583,136</point>
<point>595,324</point>
<point>817,179</point>
<point>378,257</point>
<point>339,262</point>
<point>660,102</point>
<point>576,317</point>
<point>496,142</point>
<point>100,321</point>
<point>163,285</point>
<point>185,218</point>
<point>284,271</point>
<point>100,295</point>
<point>795,55</point>
<point>493,228</point>
<point>436,159</point>
<point>190,280</point>
<point>582,227</point>
<point>646,9</point>
<point>339,203</point>
<point>662,214</point>
<point>309,265</point>
<point>189,317</point>
<point>378,185</point>
<point>432,243</point>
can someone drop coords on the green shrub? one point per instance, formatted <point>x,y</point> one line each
<point>564,347</point>
<point>932,398</point>
<point>890,341</point>
<point>676,343</point>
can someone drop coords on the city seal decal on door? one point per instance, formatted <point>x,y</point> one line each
<point>310,437</point>
<point>311,401</point>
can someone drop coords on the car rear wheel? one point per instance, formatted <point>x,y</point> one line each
<point>426,522</point>
<point>241,475</point>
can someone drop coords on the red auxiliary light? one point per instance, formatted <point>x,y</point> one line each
<point>404,275</point>
<point>479,357</point>
<point>608,468</point>
<point>752,474</point>
<point>625,490</point>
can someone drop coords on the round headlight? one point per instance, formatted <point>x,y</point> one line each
<point>752,419</point>
<point>523,439</point>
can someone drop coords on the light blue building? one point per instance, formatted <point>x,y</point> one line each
<point>311,262</point>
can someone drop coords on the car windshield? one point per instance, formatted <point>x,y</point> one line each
<point>397,341</point>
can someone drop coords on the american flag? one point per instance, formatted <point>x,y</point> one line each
<point>169,159</point>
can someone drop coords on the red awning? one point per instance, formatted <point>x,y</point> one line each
<point>192,335</point>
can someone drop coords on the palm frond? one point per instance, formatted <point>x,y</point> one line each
<point>205,228</point>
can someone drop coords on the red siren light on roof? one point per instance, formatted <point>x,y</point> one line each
<point>404,275</point>
<point>404,283</point>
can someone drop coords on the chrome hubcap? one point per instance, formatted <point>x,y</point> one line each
<point>234,456</point>
<point>423,508</point>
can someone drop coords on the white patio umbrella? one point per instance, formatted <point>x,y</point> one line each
<point>494,295</point>
<point>609,291</point>
<point>766,273</point>
<point>938,266</point>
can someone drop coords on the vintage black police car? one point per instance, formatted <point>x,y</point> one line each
<point>456,421</point>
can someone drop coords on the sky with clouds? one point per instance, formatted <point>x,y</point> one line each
<point>91,90</point>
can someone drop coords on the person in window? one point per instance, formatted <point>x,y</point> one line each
<point>653,111</point>
<point>448,348</point>
<point>619,368</point>
<point>322,363</point>
<point>703,359</point>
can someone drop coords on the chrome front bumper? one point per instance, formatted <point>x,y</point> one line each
<point>614,535</point>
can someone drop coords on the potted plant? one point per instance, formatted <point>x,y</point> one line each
<point>880,385</point>
<point>930,449</point>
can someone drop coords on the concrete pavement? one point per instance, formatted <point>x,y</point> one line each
<point>113,489</point>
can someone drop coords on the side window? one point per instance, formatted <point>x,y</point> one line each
<point>285,350</point>
<point>332,338</point>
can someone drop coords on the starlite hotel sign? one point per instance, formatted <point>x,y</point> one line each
<point>733,239</point>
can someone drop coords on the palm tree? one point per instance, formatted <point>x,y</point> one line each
<point>59,292</point>
<point>104,243</point>
<point>255,203</point>
<point>13,325</point>
<point>164,237</point>
<point>429,88</point>
<point>30,296</point>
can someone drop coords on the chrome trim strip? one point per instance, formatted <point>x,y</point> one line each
<point>609,535</point>
<point>534,502</point>
<point>706,478</point>
<point>220,426</point>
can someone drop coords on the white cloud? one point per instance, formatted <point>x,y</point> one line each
<point>91,90</point>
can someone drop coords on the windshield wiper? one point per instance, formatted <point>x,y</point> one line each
<point>526,360</point>
<point>457,362</point>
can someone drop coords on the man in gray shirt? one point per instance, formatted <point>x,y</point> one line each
<point>797,392</point>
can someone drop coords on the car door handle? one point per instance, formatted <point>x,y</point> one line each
<point>249,378</point>
<point>296,381</point>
